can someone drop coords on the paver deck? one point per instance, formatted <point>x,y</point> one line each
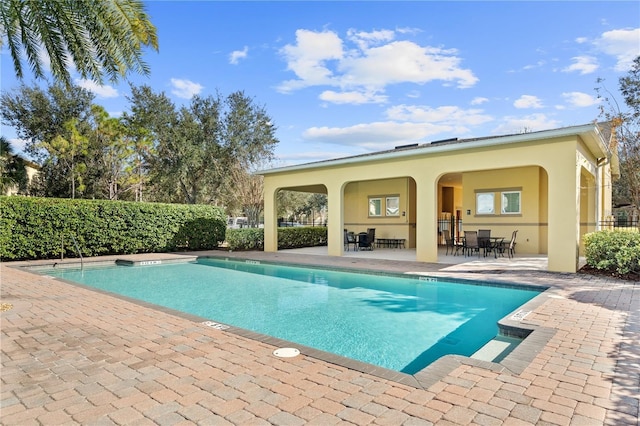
<point>72,355</point>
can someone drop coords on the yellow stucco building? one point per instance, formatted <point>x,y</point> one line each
<point>551,186</point>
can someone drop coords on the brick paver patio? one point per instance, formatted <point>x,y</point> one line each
<point>71,355</point>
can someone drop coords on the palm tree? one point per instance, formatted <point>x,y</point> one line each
<point>13,173</point>
<point>97,37</point>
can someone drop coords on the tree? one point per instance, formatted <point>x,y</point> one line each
<point>69,151</point>
<point>113,154</point>
<point>13,172</point>
<point>55,123</point>
<point>626,125</point>
<point>97,38</point>
<point>245,192</point>
<point>195,148</point>
<point>39,115</point>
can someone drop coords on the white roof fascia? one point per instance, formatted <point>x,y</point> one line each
<point>583,131</point>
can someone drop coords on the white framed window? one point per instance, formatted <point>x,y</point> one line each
<point>511,202</point>
<point>393,206</point>
<point>375,207</point>
<point>484,203</point>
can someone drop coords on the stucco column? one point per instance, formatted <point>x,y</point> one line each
<point>270,219</point>
<point>564,216</point>
<point>426,219</point>
<point>335,228</point>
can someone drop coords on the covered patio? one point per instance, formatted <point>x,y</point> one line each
<point>446,263</point>
<point>551,186</point>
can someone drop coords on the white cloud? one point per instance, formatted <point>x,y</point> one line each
<point>371,62</point>
<point>529,123</point>
<point>236,55</point>
<point>375,136</point>
<point>622,44</point>
<point>479,100</point>
<point>102,91</point>
<point>528,101</point>
<point>581,40</point>
<point>406,124</point>
<point>582,64</point>
<point>365,39</point>
<point>185,89</point>
<point>452,116</point>
<point>580,99</point>
<point>308,58</point>
<point>354,98</point>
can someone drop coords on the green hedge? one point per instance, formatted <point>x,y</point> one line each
<point>253,238</point>
<point>41,228</point>
<point>615,251</point>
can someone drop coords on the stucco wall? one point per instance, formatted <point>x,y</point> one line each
<point>524,179</point>
<point>356,213</point>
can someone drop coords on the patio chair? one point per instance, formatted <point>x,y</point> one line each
<point>372,236</point>
<point>510,246</point>
<point>350,240</point>
<point>471,242</point>
<point>364,243</point>
<point>484,240</point>
<point>450,243</point>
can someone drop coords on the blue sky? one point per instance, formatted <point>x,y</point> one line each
<point>343,78</point>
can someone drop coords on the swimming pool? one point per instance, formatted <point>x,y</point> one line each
<point>398,323</point>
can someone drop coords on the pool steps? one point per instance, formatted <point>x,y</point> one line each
<point>496,349</point>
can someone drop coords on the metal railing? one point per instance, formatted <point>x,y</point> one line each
<point>453,225</point>
<point>621,224</point>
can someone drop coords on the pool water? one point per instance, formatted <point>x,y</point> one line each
<point>394,322</point>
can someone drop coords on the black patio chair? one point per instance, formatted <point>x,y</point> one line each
<point>363,241</point>
<point>350,240</point>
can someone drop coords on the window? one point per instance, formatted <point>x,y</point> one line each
<point>511,202</point>
<point>393,206</point>
<point>484,203</point>
<point>375,206</point>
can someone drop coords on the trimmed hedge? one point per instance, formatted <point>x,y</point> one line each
<point>253,238</point>
<point>41,228</point>
<point>614,251</point>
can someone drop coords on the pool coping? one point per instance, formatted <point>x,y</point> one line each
<point>534,337</point>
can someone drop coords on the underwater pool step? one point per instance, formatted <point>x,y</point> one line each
<point>149,262</point>
<point>496,349</point>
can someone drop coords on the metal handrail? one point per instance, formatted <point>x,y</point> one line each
<point>78,250</point>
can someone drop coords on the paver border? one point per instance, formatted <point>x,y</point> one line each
<point>533,338</point>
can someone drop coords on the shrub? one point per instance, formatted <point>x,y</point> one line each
<point>308,236</point>
<point>245,239</point>
<point>40,228</point>
<point>253,238</point>
<point>615,251</point>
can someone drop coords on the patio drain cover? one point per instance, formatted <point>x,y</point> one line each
<point>286,352</point>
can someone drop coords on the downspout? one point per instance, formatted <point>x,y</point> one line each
<point>600,163</point>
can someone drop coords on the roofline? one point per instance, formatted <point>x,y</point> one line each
<point>589,132</point>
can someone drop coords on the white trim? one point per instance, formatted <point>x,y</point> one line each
<point>589,133</point>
